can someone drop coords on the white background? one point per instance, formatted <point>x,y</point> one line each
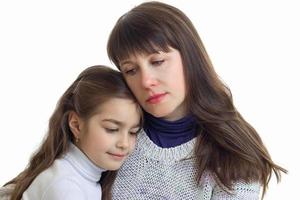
<point>254,46</point>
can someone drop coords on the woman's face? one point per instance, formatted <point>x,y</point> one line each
<point>157,81</point>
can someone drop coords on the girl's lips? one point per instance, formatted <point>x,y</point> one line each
<point>117,156</point>
<point>156,98</point>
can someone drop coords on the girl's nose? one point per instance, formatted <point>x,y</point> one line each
<point>123,141</point>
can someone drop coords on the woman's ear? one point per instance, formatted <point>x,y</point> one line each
<point>75,124</point>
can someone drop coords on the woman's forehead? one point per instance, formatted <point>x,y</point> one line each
<point>141,53</point>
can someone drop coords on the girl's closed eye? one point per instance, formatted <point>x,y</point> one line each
<point>135,131</point>
<point>111,130</point>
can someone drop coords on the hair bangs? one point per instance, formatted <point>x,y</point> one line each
<point>133,37</point>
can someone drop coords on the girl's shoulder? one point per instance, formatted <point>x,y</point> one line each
<point>51,185</point>
<point>64,189</point>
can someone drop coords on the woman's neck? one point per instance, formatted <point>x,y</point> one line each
<point>168,134</point>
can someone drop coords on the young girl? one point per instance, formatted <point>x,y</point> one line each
<point>91,133</point>
<point>195,143</point>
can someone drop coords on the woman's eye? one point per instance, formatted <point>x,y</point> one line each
<point>111,130</point>
<point>130,71</point>
<point>157,62</point>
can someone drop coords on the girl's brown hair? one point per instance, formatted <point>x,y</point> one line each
<point>227,145</point>
<point>93,86</point>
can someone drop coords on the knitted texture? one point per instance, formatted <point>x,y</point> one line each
<point>152,172</point>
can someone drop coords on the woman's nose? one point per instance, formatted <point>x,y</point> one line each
<point>148,78</point>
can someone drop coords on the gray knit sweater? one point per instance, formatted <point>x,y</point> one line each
<point>152,172</point>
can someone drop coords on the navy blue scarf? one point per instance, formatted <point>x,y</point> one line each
<point>168,134</point>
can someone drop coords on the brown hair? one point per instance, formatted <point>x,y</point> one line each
<point>227,145</point>
<point>93,86</point>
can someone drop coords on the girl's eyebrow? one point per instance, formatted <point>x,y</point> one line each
<point>113,121</point>
<point>119,123</point>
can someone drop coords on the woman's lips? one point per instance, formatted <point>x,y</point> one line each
<point>154,99</point>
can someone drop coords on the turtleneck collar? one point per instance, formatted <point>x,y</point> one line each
<point>168,134</point>
<point>83,164</point>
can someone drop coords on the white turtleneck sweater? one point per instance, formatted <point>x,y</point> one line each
<point>73,177</point>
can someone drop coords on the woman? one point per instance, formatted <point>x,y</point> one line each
<point>195,143</point>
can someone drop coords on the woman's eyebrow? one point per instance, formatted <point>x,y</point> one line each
<point>125,62</point>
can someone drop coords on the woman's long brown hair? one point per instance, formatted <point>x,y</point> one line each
<point>94,86</point>
<point>227,145</point>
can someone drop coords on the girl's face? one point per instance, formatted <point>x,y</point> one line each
<point>108,137</point>
<point>157,81</point>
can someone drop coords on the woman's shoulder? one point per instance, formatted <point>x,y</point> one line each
<point>241,190</point>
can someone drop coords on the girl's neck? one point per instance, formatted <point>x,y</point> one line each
<point>83,164</point>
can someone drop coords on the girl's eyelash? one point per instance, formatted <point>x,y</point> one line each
<point>135,132</point>
<point>111,130</point>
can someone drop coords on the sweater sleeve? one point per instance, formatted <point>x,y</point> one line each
<point>65,189</point>
<point>241,191</point>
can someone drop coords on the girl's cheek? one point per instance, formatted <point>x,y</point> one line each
<point>133,143</point>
